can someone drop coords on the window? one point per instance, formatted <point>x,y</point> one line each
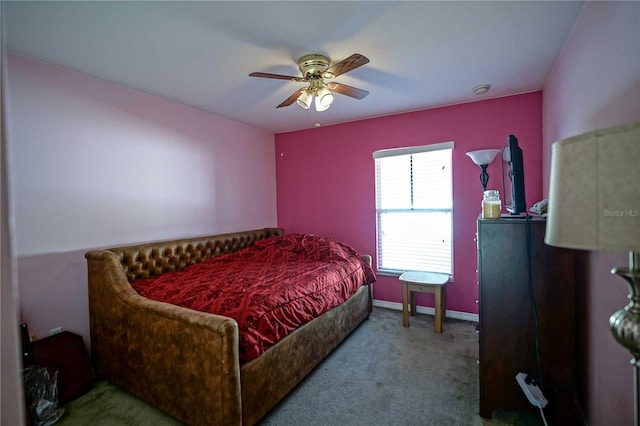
<point>414,205</point>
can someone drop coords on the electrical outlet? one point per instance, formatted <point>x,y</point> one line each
<point>56,330</point>
<point>532,391</point>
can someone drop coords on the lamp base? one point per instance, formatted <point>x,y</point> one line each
<point>625,323</point>
<point>484,176</point>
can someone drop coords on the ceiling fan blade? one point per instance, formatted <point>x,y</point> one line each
<point>291,99</point>
<point>352,62</point>
<point>343,89</point>
<point>276,76</point>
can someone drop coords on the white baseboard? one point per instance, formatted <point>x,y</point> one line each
<point>425,310</point>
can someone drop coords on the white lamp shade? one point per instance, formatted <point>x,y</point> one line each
<point>305,98</point>
<point>594,191</point>
<point>324,97</point>
<point>483,156</point>
<point>319,106</point>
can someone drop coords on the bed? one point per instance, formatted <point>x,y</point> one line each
<point>205,358</point>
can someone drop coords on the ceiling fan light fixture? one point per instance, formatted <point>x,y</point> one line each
<point>314,69</point>
<point>319,106</point>
<point>324,97</point>
<point>305,98</point>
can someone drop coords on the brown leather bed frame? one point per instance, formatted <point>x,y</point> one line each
<point>186,362</point>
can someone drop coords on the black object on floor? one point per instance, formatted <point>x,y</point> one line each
<point>67,353</point>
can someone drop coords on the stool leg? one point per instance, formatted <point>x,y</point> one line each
<point>413,303</point>
<point>444,302</point>
<point>405,312</point>
<point>438,310</point>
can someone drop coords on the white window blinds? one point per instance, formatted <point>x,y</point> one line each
<point>414,205</point>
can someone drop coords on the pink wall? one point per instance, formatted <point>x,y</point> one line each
<point>595,83</point>
<point>93,164</point>
<point>325,177</point>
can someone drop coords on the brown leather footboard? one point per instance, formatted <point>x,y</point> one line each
<point>186,362</point>
<point>268,378</point>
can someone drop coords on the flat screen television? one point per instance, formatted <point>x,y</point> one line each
<point>513,177</point>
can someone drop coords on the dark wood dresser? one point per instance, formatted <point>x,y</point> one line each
<point>512,258</point>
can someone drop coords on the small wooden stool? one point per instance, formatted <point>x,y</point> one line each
<point>426,282</point>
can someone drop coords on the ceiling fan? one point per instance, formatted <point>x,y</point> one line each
<point>317,71</point>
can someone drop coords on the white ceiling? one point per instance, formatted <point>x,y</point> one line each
<point>422,54</point>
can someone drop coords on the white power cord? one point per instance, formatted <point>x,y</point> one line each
<point>543,418</point>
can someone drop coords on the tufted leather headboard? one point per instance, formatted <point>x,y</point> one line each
<point>152,259</point>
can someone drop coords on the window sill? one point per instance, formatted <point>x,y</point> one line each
<point>390,273</point>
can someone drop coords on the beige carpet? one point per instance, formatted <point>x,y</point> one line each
<point>383,374</point>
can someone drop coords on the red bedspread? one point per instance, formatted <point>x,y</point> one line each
<point>270,288</point>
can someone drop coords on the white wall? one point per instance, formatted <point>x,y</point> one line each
<point>93,164</point>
